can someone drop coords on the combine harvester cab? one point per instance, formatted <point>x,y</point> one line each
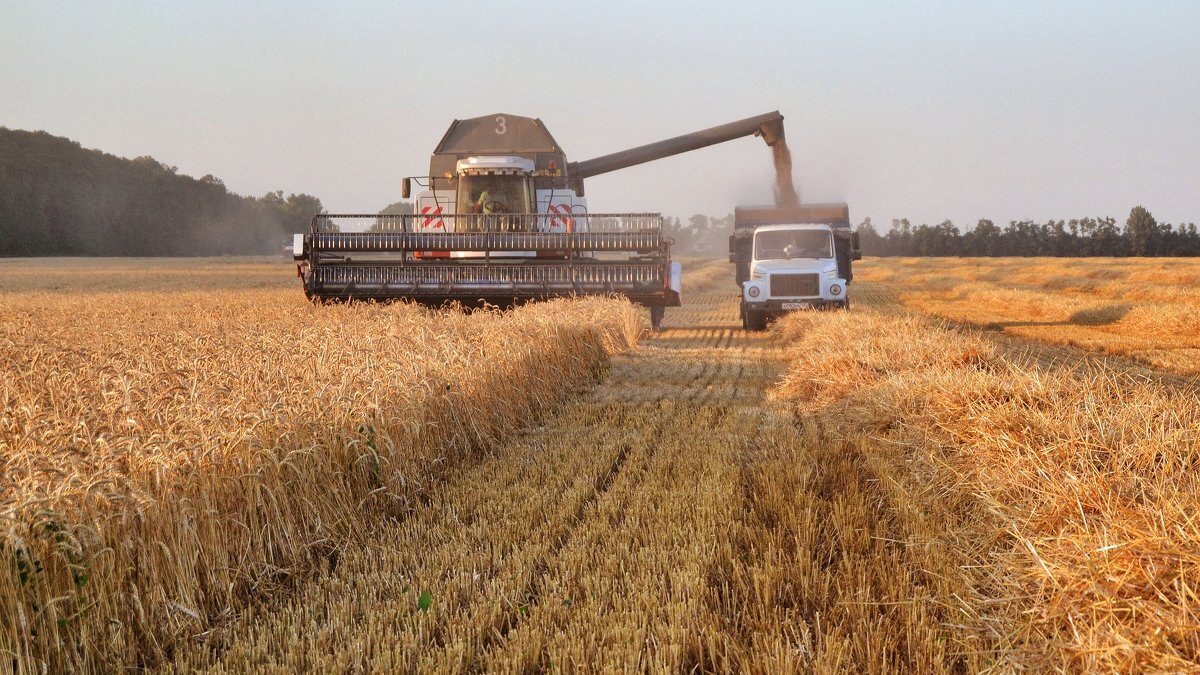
<point>502,221</point>
<point>792,258</point>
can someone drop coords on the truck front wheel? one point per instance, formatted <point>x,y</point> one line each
<point>754,320</point>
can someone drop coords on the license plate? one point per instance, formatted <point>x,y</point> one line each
<point>797,305</point>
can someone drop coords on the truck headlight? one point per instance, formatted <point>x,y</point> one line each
<point>753,291</point>
<point>835,289</point>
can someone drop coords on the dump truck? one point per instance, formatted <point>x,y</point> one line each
<point>502,219</point>
<point>792,258</point>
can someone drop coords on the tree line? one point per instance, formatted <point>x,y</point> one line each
<point>1140,235</point>
<point>60,199</point>
<point>701,235</point>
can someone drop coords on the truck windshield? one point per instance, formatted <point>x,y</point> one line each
<point>784,244</point>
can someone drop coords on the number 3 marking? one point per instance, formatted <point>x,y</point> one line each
<point>501,125</point>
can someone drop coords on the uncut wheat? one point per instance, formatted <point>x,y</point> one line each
<point>169,455</point>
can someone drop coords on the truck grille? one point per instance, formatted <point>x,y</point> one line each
<point>795,285</point>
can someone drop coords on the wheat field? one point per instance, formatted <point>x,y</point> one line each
<point>203,472</point>
<point>181,438</point>
<point>1147,309</point>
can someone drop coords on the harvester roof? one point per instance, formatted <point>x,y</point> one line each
<point>498,134</point>
<point>495,136</point>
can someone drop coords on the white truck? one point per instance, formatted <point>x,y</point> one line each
<point>792,258</point>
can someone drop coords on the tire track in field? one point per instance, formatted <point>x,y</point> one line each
<point>633,594</point>
<point>532,593</point>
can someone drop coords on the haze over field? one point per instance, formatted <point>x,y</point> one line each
<point>928,110</point>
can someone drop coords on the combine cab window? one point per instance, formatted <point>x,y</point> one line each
<point>785,244</point>
<point>490,194</point>
<point>500,196</point>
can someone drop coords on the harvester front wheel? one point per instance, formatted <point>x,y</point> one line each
<point>656,317</point>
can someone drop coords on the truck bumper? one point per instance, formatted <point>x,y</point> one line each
<point>780,306</point>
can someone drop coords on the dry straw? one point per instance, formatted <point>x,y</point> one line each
<point>1069,496</point>
<point>1147,309</point>
<point>168,455</point>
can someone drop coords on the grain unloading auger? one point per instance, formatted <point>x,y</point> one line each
<point>503,220</point>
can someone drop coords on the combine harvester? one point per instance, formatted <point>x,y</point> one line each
<point>504,221</point>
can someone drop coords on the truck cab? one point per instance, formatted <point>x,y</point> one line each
<point>792,259</point>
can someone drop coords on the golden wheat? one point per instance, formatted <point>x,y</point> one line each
<point>1068,499</point>
<point>863,491</point>
<point>169,454</point>
<point>1144,308</point>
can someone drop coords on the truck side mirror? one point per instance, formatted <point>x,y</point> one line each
<point>855,249</point>
<point>405,188</point>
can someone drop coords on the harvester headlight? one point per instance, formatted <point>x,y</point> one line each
<point>835,289</point>
<point>753,291</point>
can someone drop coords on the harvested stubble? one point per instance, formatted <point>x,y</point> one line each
<point>168,455</point>
<point>669,521</point>
<point>1144,308</point>
<point>1068,499</point>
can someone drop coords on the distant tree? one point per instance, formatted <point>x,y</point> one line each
<point>1142,231</point>
<point>1062,242</point>
<point>715,240</point>
<point>984,240</point>
<point>691,238</point>
<point>1183,241</point>
<point>704,235</point>
<point>57,198</point>
<point>900,237</point>
<point>698,225</point>
<point>678,233</point>
<point>400,208</point>
<point>1109,240</point>
<point>869,239</point>
<point>938,240</point>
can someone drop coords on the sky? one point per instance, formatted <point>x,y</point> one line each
<point>922,110</point>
